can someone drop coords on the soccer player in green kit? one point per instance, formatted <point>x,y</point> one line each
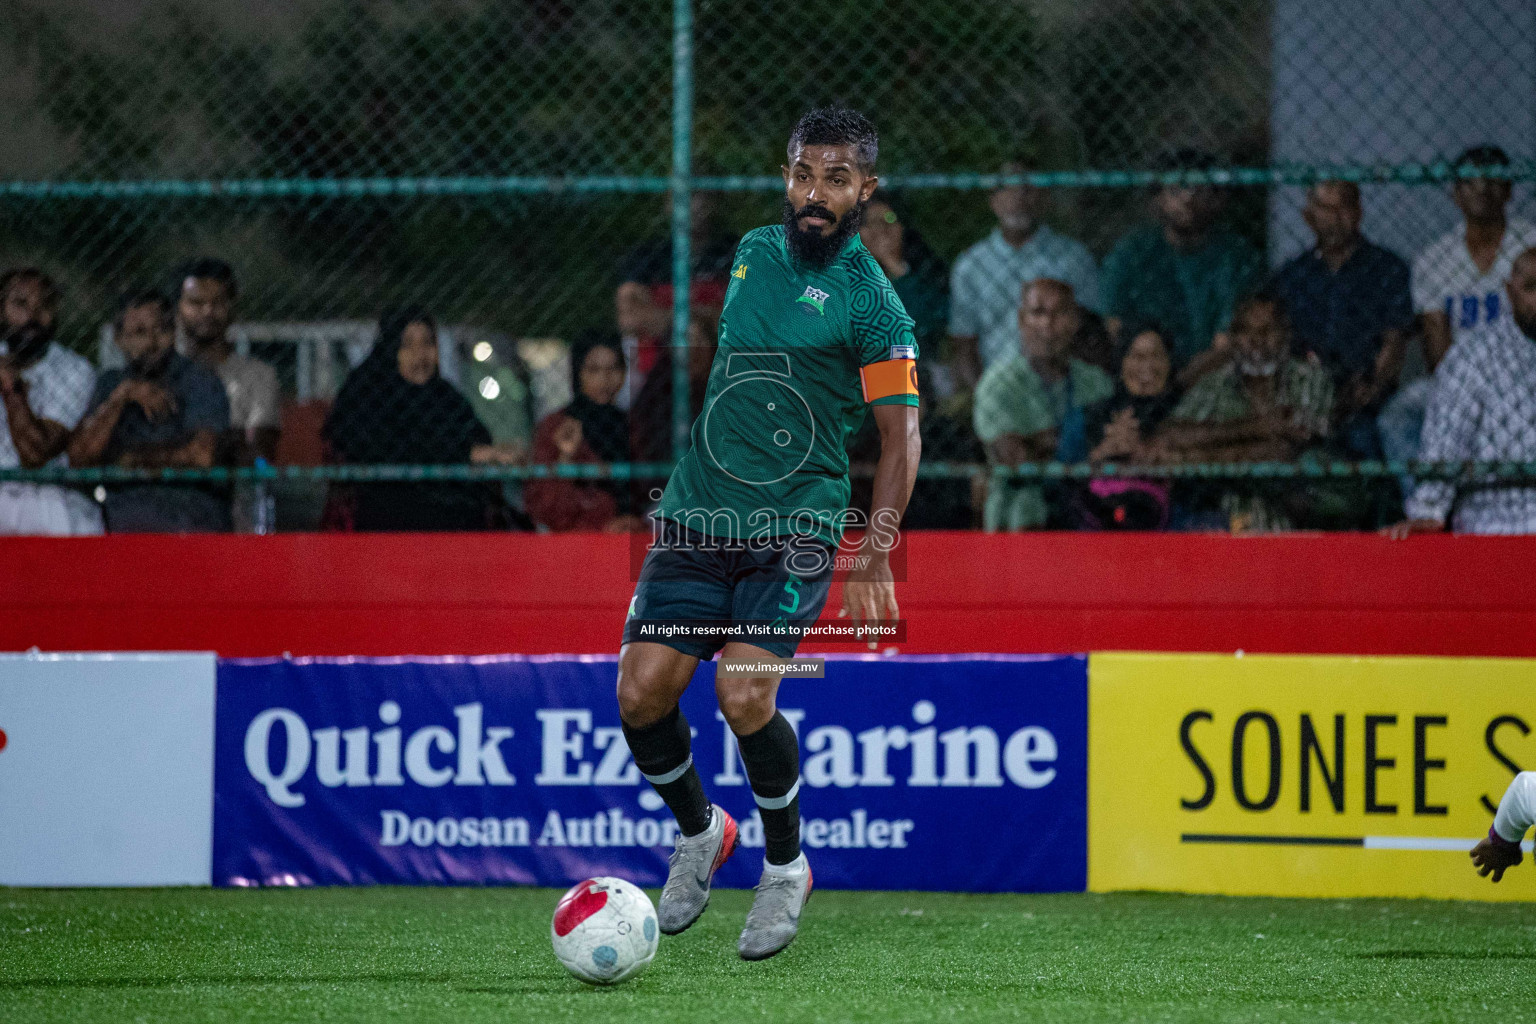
<point>811,333</point>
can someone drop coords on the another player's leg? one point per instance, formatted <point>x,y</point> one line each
<point>771,754</point>
<point>651,679</point>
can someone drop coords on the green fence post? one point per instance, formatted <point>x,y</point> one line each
<point>682,169</point>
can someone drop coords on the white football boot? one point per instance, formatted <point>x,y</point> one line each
<point>775,915</point>
<point>694,861</point>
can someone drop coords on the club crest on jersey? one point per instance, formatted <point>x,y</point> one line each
<point>814,298</point>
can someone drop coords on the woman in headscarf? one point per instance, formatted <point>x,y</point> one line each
<point>591,429</point>
<point>1122,429</point>
<point>395,408</point>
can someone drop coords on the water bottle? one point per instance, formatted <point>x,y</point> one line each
<point>263,504</point>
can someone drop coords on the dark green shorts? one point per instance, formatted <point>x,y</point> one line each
<point>690,579</point>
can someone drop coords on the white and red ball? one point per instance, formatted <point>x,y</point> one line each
<point>604,930</point>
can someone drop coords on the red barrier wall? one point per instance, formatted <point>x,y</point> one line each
<point>443,594</point>
<point>541,594</point>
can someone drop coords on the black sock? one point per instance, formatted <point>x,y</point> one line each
<point>772,757</point>
<point>662,752</point>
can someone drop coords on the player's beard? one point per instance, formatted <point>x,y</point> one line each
<point>812,246</point>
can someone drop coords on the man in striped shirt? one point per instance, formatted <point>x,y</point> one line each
<point>1484,409</point>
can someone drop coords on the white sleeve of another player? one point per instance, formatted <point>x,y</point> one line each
<point>1517,811</point>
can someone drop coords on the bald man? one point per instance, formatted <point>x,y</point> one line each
<point>1484,408</point>
<point>1029,407</point>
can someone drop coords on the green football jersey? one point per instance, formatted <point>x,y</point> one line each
<point>769,450</point>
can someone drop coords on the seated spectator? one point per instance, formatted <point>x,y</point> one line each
<point>396,409</point>
<point>1263,406</point>
<point>1458,286</point>
<point>1093,344</point>
<point>1032,408</point>
<point>914,270</point>
<point>46,389</point>
<point>651,415</point>
<point>990,276</point>
<point>206,291</point>
<point>1348,304</point>
<point>643,301</point>
<point>163,411</point>
<point>1122,429</point>
<point>1185,272</point>
<point>1484,408</point>
<point>591,429</point>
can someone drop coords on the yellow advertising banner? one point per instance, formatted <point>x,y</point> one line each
<point>1281,775</point>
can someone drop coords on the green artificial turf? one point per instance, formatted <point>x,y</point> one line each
<point>470,955</point>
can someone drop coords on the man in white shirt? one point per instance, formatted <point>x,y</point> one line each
<point>1500,850</point>
<point>1458,286</point>
<point>988,280</point>
<point>1484,409</point>
<point>46,390</point>
<point>205,307</point>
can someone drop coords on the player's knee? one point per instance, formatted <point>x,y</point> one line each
<point>644,691</point>
<point>747,704</point>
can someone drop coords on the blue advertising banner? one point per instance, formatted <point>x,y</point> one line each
<point>919,772</point>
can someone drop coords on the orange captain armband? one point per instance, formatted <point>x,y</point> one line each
<point>892,377</point>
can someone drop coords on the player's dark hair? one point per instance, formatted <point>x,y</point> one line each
<point>133,298</point>
<point>49,286</point>
<point>207,268</point>
<point>838,126</point>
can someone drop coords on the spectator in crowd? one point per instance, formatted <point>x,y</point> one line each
<point>46,389</point>
<point>1458,286</point>
<point>1484,408</point>
<point>163,411</point>
<point>1032,408</point>
<point>206,292</point>
<point>1349,305</point>
<point>1185,272</point>
<point>1263,406</point>
<point>1123,428</point>
<point>989,278</point>
<point>591,429</point>
<point>1093,344</point>
<point>643,301</point>
<point>651,414</point>
<point>915,271</point>
<point>396,408</point>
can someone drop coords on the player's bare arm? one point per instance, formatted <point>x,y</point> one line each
<point>869,594</point>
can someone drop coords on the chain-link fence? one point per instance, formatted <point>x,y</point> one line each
<point>487,189</point>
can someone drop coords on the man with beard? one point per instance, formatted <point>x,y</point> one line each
<point>46,389</point>
<point>162,411</point>
<point>1484,408</point>
<point>1263,406</point>
<point>205,307</point>
<point>811,333</point>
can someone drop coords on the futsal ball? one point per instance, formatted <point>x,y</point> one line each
<point>604,930</point>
